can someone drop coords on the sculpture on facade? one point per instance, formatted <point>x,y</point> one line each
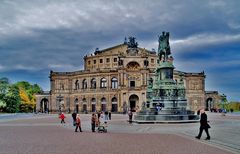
<point>132,43</point>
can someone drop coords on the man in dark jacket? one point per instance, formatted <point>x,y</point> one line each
<point>130,115</point>
<point>93,122</point>
<point>203,125</point>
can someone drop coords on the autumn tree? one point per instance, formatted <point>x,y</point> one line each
<point>27,94</point>
<point>17,97</point>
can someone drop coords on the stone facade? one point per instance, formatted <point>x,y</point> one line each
<point>113,79</point>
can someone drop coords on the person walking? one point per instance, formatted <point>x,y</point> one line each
<point>106,115</point>
<point>109,115</point>
<point>130,115</point>
<point>62,117</point>
<point>74,116</point>
<point>93,122</point>
<point>203,125</point>
<point>78,123</point>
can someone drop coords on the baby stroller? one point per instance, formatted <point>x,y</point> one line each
<point>102,128</point>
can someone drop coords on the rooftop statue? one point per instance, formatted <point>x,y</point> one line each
<point>163,47</point>
<point>132,43</point>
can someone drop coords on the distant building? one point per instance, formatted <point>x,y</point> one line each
<point>115,79</point>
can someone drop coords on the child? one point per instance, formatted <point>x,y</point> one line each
<point>62,117</point>
<point>103,127</point>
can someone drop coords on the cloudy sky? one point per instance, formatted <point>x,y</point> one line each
<point>37,36</point>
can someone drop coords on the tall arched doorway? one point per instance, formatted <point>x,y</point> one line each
<point>76,105</point>
<point>114,104</point>
<point>209,104</point>
<point>44,105</point>
<point>93,102</point>
<point>103,104</point>
<point>84,101</point>
<point>60,103</point>
<point>133,101</point>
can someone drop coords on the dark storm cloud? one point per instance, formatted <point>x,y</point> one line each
<point>42,35</point>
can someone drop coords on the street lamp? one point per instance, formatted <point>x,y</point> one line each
<point>224,101</point>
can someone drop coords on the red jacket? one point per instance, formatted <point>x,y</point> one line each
<point>78,121</point>
<point>62,116</point>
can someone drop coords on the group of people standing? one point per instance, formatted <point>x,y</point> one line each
<point>96,120</point>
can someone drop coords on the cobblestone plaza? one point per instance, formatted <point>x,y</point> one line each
<point>44,134</point>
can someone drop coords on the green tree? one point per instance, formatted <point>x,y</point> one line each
<point>12,99</point>
<point>4,83</point>
<point>235,106</point>
<point>2,102</point>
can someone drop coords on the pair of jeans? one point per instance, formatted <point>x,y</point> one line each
<point>93,127</point>
<point>77,128</point>
<point>201,130</point>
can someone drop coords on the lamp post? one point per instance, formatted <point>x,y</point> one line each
<point>224,101</point>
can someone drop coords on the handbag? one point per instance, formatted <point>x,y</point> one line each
<point>208,126</point>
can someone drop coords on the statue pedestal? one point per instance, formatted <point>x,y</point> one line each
<point>165,97</point>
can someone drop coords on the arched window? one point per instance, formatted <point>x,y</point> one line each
<point>93,100</point>
<point>84,100</point>
<point>103,83</point>
<point>76,101</point>
<point>93,83</point>
<point>76,84</point>
<point>114,83</point>
<point>103,100</point>
<point>84,84</point>
<point>114,100</point>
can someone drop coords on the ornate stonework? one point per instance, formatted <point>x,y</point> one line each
<point>113,79</point>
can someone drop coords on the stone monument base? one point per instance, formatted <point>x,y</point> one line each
<point>153,119</point>
<point>166,116</point>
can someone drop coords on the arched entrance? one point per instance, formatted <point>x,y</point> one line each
<point>84,105</point>
<point>114,104</point>
<point>133,101</point>
<point>103,104</point>
<point>44,105</point>
<point>62,106</point>
<point>60,103</point>
<point>76,105</point>
<point>93,104</point>
<point>209,103</point>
